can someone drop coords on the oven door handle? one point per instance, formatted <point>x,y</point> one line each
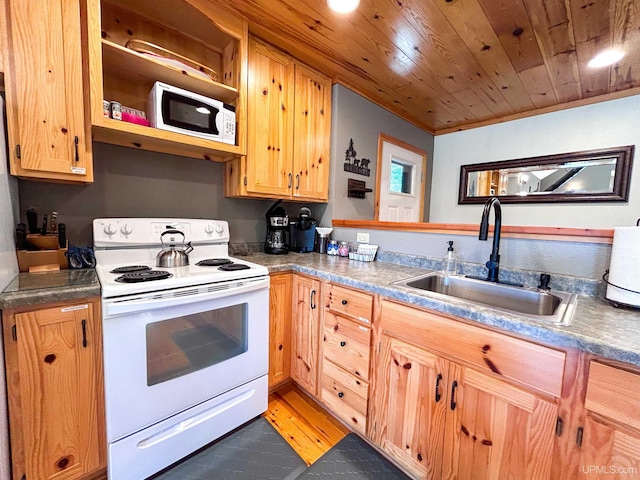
<point>121,307</point>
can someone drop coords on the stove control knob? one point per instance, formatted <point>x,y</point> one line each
<point>126,229</point>
<point>109,229</point>
<point>208,229</point>
<point>219,230</point>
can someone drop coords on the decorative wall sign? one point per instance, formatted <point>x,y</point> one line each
<point>355,165</point>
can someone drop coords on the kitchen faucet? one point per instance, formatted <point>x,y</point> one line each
<point>494,260</point>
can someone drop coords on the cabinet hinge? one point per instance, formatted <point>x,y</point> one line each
<point>558,427</point>
<point>14,333</point>
<point>245,181</point>
<point>18,150</point>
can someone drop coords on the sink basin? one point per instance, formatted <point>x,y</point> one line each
<point>548,306</point>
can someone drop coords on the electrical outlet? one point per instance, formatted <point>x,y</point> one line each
<point>362,237</point>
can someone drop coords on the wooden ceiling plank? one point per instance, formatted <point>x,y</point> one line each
<point>471,23</point>
<point>591,26</point>
<point>338,41</point>
<point>626,21</point>
<point>539,86</point>
<point>550,20</point>
<point>449,58</point>
<point>511,23</point>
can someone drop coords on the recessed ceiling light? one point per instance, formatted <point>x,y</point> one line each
<point>343,6</point>
<point>606,58</point>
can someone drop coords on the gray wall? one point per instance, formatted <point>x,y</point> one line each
<point>602,125</point>
<point>355,117</point>
<point>133,183</point>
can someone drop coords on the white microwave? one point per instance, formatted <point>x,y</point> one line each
<point>181,111</point>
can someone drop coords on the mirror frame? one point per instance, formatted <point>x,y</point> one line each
<point>624,161</point>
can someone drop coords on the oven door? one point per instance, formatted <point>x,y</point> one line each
<point>166,354</point>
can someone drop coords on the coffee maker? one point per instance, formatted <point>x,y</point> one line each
<point>303,232</point>
<point>277,241</point>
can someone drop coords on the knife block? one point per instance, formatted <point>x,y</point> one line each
<point>50,257</point>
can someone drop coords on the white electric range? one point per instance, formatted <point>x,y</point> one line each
<point>185,348</point>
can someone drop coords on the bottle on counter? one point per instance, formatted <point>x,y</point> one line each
<point>450,261</point>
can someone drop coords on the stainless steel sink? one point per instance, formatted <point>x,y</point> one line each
<point>548,306</point>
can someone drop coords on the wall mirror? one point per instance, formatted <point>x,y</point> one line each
<point>589,176</point>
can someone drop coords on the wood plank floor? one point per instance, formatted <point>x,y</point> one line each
<point>303,423</point>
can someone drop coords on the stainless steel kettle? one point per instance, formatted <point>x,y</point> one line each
<point>172,256</point>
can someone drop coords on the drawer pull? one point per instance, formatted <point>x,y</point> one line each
<point>454,386</point>
<point>340,394</point>
<point>438,394</point>
<point>344,302</point>
<point>343,343</point>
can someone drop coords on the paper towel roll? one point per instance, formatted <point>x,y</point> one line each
<point>624,270</point>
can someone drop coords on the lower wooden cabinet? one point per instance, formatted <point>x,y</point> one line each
<point>55,390</point>
<point>280,304</point>
<point>609,439</point>
<point>304,333</point>
<point>440,418</point>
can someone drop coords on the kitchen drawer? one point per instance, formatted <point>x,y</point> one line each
<point>486,350</point>
<point>614,393</point>
<point>351,303</point>
<point>346,343</point>
<point>345,395</point>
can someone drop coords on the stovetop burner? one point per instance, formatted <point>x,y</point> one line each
<point>130,268</point>
<point>213,262</point>
<point>143,276</point>
<point>234,266</point>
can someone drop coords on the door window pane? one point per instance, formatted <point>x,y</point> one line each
<point>183,345</point>
<point>400,178</point>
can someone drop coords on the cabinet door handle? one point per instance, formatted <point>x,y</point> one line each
<point>84,333</point>
<point>298,182</point>
<point>438,394</point>
<point>579,435</point>
<point>312,299</point>
<point>343,343</point>
<point>344,302</point>
<point>290,180</point>
<point>454,386</point>
<point>76,140</point>
<point>340,394</point>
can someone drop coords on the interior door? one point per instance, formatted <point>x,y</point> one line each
<point>400,181</point>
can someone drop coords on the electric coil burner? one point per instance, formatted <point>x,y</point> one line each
<point>232,267</point>
<point>213,262</point>
<point>147,275</point>
<point>130,268</point>
<point>185,348</point>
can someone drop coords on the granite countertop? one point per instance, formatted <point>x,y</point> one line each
<point>50,287</point>
<point>597,327</point>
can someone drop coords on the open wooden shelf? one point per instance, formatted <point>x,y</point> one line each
<point>132,135</point>
<point>127,62</point>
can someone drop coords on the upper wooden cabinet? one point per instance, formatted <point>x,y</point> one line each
<point>199,30</point>
<point>289,130</point>
<point>48,134</point>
